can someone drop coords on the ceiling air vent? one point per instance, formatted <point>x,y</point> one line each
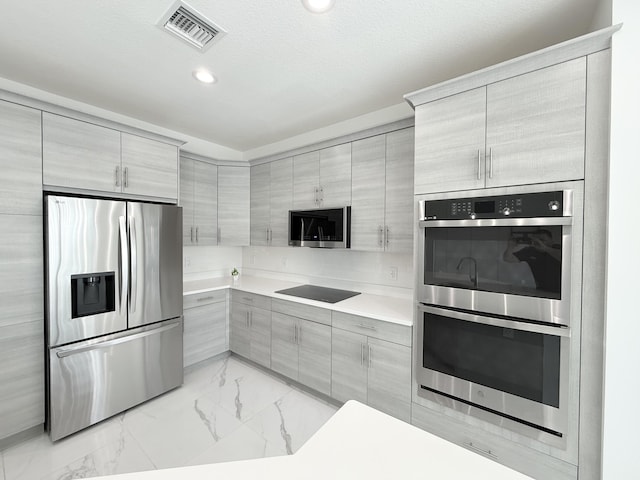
<point>192,27</point>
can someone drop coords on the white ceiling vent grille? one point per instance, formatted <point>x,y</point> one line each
<point>190,26</point>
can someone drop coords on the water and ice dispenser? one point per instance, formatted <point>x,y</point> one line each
<point>92,293</point>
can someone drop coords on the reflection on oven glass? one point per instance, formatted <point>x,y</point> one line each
<point>512,260</point>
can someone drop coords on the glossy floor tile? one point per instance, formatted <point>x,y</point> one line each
<point>226,410</point>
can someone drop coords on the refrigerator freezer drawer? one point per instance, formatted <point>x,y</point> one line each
<point>96,379</point>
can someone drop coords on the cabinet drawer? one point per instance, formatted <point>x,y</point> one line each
<point>204,298</point>
<point>253,299</point>
<point>507,452</point>
<point>300,310</point>
<point>392,332</point>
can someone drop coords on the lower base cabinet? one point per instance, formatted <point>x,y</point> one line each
<point>205,326</point>
<point>250,327</point>
<point>368,369</point>
<point>301,350</point>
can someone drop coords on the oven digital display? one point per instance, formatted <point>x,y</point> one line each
<point>488,206</point>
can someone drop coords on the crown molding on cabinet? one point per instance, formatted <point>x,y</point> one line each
<point>68,112</point>
<point>213,161</point>
<point>562,52</point>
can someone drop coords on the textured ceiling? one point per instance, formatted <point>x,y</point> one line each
<point>281,70</point>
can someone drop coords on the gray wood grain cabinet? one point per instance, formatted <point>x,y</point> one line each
<point>322,178</point>
<point>301,344</point>
<point>522,130</point>
<point>205,326</point>
<point>233,205</point>
<point>20,159</point>
<point>367,367</point>
<point>21,324</point>
<point>199,201</point>
<point>250,326</point>
<point>271,200</point>
<point>82,155</point>
<point>382,197</point>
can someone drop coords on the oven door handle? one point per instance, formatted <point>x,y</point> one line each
<point>498,222</point>
<point>559,331</point>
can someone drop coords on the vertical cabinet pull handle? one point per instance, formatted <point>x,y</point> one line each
<point>315,196</point>
<point>380,235</point>
<point>369,355</point>
<point>479,165</point>
<point>362,354</point>
<point>267,234</point>
<point>126,177</point>
<point>491,163</point>
<point>386,236</point>
<point>197,234</point>
<point>117,176</point>
<point>321,194</point>
<point>192,234</point>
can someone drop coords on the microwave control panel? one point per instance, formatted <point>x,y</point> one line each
<point>526,205</point>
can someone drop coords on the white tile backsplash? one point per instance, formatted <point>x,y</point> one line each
<point>210,262</point>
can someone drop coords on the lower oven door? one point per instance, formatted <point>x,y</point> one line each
<point>497,367</point>
<point>92,380</point>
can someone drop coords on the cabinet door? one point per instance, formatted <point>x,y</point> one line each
<point>187,192</point>
<point>260,203</point>
<point>20,160</point>
<point>368,193</point>
<point>204,332</point>
<point>335,176</point>
<point>150,167</point>
<point>536,126</point>
<point>284,349</point>
<point>239,332</point>
<point>306,176</point>
<point>260,322</point>
<point>77,154</point>
<point>206,203</point>
<point>314,342</point>
<point>233,205</point>
<point>390,378</point>
<point>398,211</point>
<point>348,369</point>
<point>450,143</point>
<point>281,201</point>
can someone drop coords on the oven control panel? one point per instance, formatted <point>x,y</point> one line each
<point>526,205</point>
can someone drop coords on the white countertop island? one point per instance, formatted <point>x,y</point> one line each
<point>358,442</point>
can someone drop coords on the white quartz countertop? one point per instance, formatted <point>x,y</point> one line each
<point>380,307</point>
<point>358,442</point>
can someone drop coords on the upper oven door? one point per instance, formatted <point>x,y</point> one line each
<point>517,267</point>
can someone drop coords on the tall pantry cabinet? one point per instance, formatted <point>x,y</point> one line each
<point>21,264</point>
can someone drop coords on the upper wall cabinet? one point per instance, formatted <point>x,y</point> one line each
<point>85,156</point>
<point>271,200</point>
<point>199,201</point>
<point>233,205</point>
<point>322,179</point>
<point>20,160</point>
<point>522,130</point>
<point>382,198</point>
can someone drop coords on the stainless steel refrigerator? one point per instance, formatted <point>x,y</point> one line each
<point>114,307</point>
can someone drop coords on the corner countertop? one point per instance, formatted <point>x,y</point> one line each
<point>357,442</point>
<point>380,307</point>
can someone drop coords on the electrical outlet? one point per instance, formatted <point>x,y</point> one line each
<point>393,273</point>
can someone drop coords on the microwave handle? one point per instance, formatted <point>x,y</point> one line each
<point>302,229</point>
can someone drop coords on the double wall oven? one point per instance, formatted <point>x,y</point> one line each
<point>496,307</point>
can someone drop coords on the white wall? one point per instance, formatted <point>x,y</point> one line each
<point>210,262</point>
<point>364,271</point>
<point>622,337</point>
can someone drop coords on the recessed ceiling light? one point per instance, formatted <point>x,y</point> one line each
<point>204,76</point>
<point>318,6</point>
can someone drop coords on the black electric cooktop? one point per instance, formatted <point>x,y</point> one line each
<point>321,294</point>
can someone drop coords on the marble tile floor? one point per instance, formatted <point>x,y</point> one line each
<point>226,410</point>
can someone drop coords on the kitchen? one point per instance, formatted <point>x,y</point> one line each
<point>351,266</point>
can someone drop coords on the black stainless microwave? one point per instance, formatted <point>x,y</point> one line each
<point>320,228</point>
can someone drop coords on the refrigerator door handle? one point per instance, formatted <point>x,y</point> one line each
<point>134,263</point>
<point>109,343</point>
<point>124,262</point>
